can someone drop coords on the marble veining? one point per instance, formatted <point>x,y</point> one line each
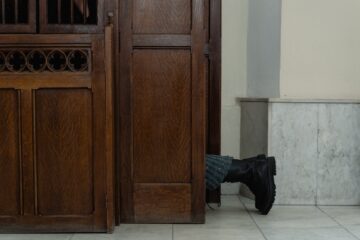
<point>293,141</point>
<point>317,147</point>
<point>339,155</point>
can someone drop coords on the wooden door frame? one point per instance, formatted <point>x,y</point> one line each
<point>214,89</point>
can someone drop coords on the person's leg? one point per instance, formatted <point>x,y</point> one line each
<point>258,174</point>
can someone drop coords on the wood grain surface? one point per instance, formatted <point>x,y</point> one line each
<point>162,116</point>
<point>172,201</point>
<point>56,149</point>
<point>64,143</point>
<point>162,16</point>
<point>162,105</point>
<point>10,171</point>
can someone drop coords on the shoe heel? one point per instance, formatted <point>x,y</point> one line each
<point>272,163</point>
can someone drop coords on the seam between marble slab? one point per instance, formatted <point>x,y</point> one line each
<point>269,129</point>
<point>252,218</point>
<point>297,100</point>
<point>345,228</point>
<point>172,233</point>
<point>317,156</point>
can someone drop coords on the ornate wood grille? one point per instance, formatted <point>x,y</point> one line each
<point>17,16</point>
<point>37,60</point>
<point>76,16</point>
<point>72,12</point>
<point>55,16</point>
<point>14,11</point>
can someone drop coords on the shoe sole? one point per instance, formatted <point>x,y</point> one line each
<point>272,187</point>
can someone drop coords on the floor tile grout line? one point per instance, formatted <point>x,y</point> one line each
<point>345,228</point>
<point>252,218</point>
<point>172,231</point>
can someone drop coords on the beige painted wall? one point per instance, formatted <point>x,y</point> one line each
<point>250,49</point>
<point>234,49</point>
<point>320,50</point>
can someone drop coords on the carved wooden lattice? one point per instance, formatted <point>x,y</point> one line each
<point>52,16</point>
<point>44,59</point>
<point>71,16</point>
<point>59,11</point>
<point>72,11</point>
<point>17,16</point>
<point>14,11</point>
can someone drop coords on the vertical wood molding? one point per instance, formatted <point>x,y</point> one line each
<point>199,105</point>
<point>109,64</point>
<point>214,90</point>
<point>125,156</point>
<point>27,147</point>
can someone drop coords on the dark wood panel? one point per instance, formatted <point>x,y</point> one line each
<point>110,130</point>
<point>35,81</point>
<point>102,168</point>
<point>46,39</point>
<point>164,203</point>
<point>199,118</point>
<point>116,112</point>
<point>125,131</point>
<point>162,116</point>
<point>50,224</point>
<point>27,152</point>
<point>214,89</point>
<point>64,152</point>
<point>9,154</point>
<point>150,40</point>
<point>162,47</point>
<point>162,16</point>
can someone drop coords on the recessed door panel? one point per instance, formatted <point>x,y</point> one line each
<point>173,203</point>
<point>64,146</point>
<point>162,116</point>
<point>162,16</point>
<point>9,153</point>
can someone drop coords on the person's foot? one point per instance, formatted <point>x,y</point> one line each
<point>258,174</point>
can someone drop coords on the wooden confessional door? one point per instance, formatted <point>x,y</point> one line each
<point>162,110</point>
<point>56,133</point>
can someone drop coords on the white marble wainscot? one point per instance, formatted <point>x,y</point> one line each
<point>339,154</point>
<point>316,144</point>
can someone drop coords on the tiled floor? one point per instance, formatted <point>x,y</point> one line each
<point>238,220</point>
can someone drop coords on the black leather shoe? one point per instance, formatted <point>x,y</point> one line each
<point>258,174</point>
<point>264,186</point>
